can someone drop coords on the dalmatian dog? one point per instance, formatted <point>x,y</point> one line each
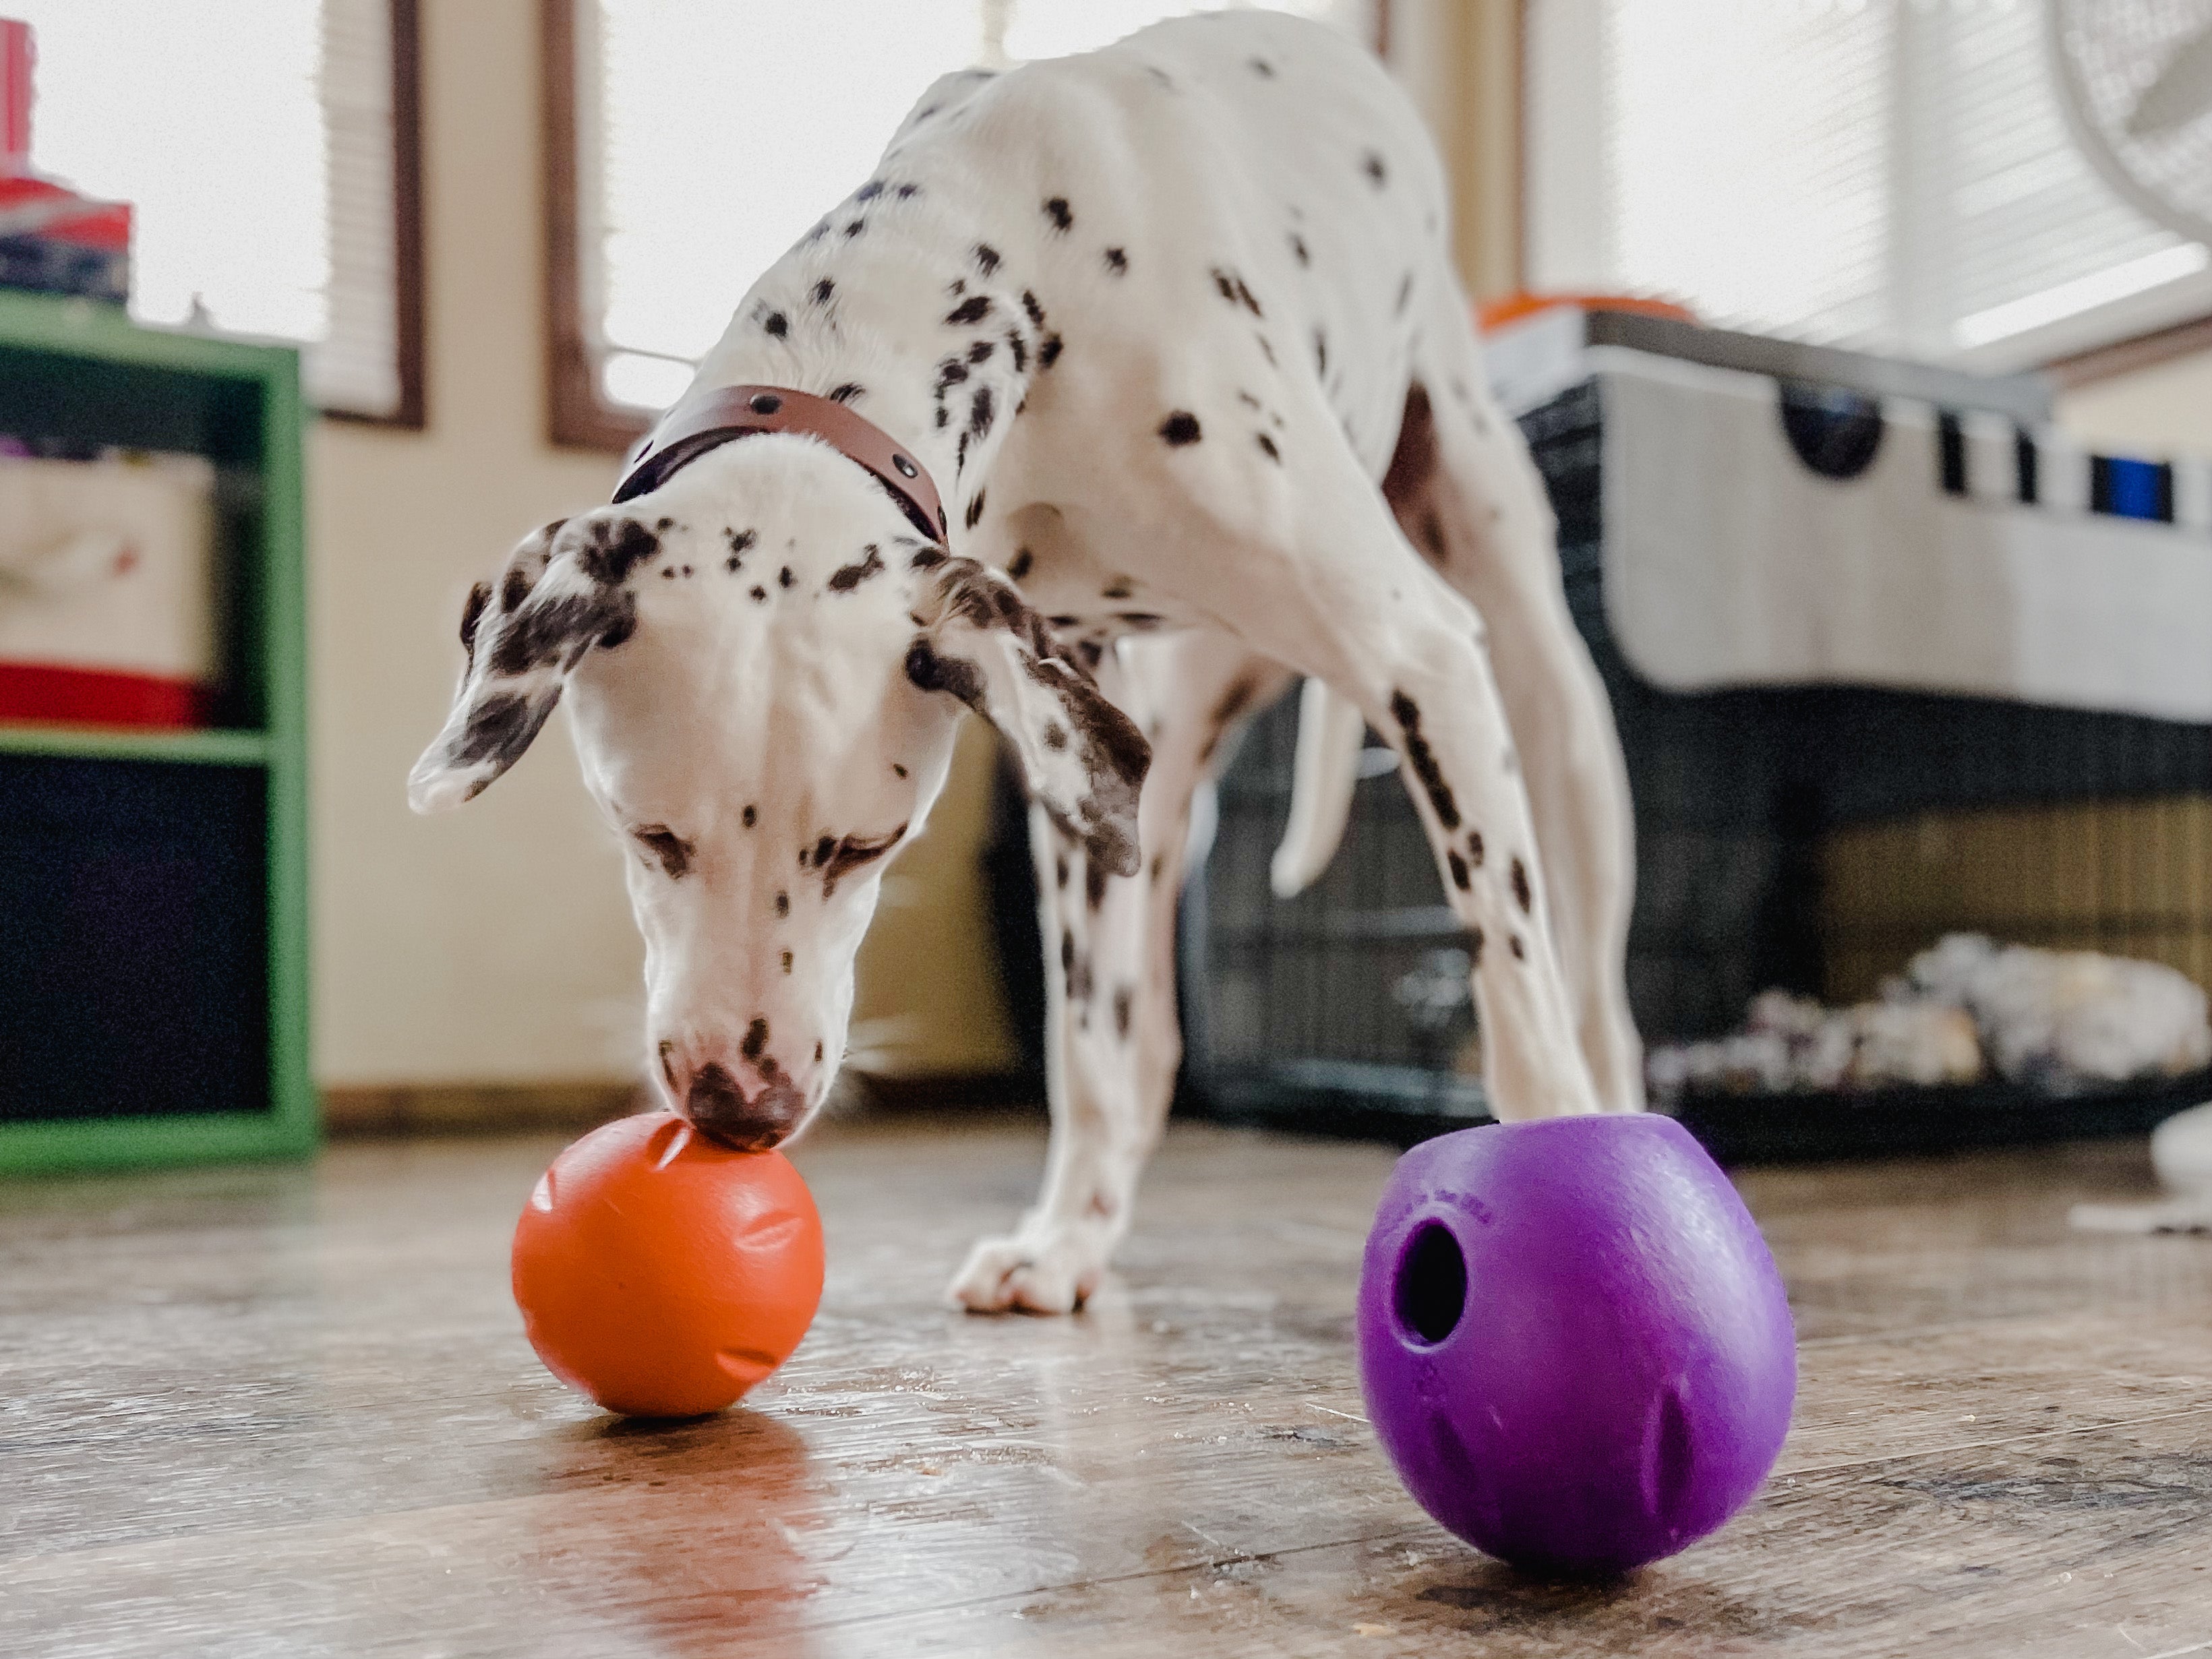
<point>1152,388</point>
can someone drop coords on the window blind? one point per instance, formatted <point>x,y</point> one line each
<point>1892,174</point>
<point>255,139</point>
<point>712,133</point>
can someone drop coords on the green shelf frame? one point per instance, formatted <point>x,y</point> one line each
<point>79,369</point>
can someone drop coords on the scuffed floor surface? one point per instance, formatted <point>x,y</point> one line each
<point>290,1411</point>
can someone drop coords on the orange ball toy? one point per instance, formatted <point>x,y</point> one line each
<point>662,1275</point>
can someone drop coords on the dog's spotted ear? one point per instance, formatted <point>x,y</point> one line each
<point>564,593</point>
<point>1083,758</point>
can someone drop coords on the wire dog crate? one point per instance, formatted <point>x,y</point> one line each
<point>1808,836</point>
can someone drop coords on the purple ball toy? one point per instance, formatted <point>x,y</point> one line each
<point>1574,1344</point>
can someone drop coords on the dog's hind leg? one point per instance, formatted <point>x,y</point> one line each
<point>1112,1038</point>
<point>1469,499</point>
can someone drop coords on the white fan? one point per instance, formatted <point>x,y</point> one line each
<point>2135,78</point>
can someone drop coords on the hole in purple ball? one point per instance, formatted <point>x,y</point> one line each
<point>1431,1283</point>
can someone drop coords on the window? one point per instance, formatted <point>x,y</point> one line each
<point>691,141</point>
<point>269,148</point>
<point>1891,174</point>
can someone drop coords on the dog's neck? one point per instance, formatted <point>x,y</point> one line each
<point>942,364</point>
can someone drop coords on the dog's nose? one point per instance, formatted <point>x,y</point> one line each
<point>719,1110</point>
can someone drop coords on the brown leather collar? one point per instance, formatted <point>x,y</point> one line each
<point>713,418</point>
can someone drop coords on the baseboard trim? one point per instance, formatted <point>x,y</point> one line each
<point>397,1111</point>
<point>474,1108</point>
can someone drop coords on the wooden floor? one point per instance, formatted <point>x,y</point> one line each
<point>289,1411</point>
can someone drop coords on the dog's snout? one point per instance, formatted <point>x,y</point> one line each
<point>720,1108</point>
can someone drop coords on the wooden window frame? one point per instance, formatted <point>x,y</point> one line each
<point>411,413</point>
<point>577,415</point>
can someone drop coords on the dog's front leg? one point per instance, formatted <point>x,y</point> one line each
<point>1112,1038</point>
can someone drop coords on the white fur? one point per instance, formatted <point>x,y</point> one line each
<point>1228,230</point>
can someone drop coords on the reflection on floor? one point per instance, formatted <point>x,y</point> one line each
<point>290,1411</point>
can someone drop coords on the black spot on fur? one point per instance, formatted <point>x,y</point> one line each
<point>665,844</point>
<point>856,229</point>
<point>1474,847</point>
<point>849,853</point>
<point>819,852</point>
<point>1520,951</point>
<point>907,192</point>
<point>930,672</point>
<point>973,309</point>
<point>1159,865</point>
<point>776,323</point>
<point>1124,998</point>
<point>784,578</point>
<point>1263,69</point>
<point>1019,348</point>
<point>760,595</point>
<point>1267,349</point>
<point>783,904</point>
<point>1120,588</point>
<point>1460,877</point>
<point>1474,947</point>
<point>1320,352</point>
<point>1094,884</point>
<point>1371,165</point>
<point>1055,736</point>
<point>1267,448</point>
<point>615,547</point>
<point>1059,871</point>
<point>898,770</point>
<point>987,257</point>
<point>926,558</point>
<point>1522,896</point>
<point>563,631</point>
<point>471,614</point>
<point>740,540</point>
<point>1032,309</point>
<point>1298,249</point>
<point>846,392</point>
<point>1423,760</point>
<point>1048,353</point>
<point>981,409</point>
<point>787,961</point>
<point>500,728</point>
<point>756,1039</point>
<point>1056,209</point>
<point>975,513</point>
<point>1023,561</point>
<point>981,351</point>
<point>869,192</point>
<point>818,1051</point>
<point>950,373</point>
<point>1180,429</point>
<point>750,817</point>
<point>849,577</point>
<point>823,290</point>
<point>1118,261</point>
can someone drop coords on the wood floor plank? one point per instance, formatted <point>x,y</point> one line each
<point>290,1411</point>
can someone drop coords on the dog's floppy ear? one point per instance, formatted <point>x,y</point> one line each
<point>563,592</point>
<point>1084,760</point>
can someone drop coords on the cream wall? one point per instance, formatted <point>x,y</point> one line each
<point>495,944</point>
<point>2152,410</point>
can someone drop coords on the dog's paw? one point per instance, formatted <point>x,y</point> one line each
<point>1041,1273</point>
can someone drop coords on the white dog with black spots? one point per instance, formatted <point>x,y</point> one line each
<point>1174,327</point>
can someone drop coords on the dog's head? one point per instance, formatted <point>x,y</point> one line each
<point>763,666</point>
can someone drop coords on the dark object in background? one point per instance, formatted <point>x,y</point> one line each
<point>1738,795</point>
<point>133,967</point>
<point>1010,878</point>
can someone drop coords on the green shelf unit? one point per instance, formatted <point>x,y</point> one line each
<point>83,372</point>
